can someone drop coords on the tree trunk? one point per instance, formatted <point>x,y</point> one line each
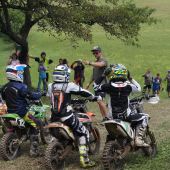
<point>22,52</point>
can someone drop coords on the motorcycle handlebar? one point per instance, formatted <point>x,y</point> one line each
<point>140,98</point>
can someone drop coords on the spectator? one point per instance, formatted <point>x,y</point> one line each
<point>46,62</point>
<point>148,78</point>
<point>65,62</point>
<point>60,61</point>
<point>42,77</point>
<point>99,66</point>
<point>78,68</point>
<point>13,60</point>
<point>167,78</point>
<point>156,86</point>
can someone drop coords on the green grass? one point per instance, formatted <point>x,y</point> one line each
<point>154,51</point>
<point>160,162</point>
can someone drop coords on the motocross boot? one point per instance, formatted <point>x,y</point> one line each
<point>34,148</point>
<point>84,159</point>
<point>140,132</point>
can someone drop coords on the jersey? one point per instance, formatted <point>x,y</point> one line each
<point>119,94</point>
<point>60,95</point>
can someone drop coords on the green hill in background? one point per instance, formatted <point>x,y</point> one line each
<point>154,51</point>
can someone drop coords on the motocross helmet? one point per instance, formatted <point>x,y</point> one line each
<point>61,74</point>
<point>15,72</point>
<point>116,72</point>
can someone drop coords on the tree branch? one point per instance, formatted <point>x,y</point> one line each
<point>6,16</point>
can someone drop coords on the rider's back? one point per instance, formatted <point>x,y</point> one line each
<point>13,94</point>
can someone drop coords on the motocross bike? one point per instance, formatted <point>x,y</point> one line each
<point>16,130</point>
<point>65,142</point>
<point>120,141</point>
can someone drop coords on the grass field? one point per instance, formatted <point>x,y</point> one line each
<point>154,53</point>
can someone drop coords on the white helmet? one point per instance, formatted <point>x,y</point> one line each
<point>61,74</point>
<point>15,72</point>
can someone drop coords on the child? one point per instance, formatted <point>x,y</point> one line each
<point>156,84</point>
<point>119,88</point>
<point>42,77</point>
<point>13,60</point>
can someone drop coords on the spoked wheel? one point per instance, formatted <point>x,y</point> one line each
<point>9,146</point>
<point>94,141</point>
<point>110,158</point>
<point>150,151</point>
<point>52,156</point>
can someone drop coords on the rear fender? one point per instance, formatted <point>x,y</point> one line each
<point>119,128</point>
<point>62,127</point>
<point>14,119</point>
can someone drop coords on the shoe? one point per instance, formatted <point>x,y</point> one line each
<point>84,160</point>
<point>86,164</point>
<point>140,132</point>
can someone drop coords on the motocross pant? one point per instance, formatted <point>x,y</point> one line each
<point>136,118</point>
<point>78,128</point>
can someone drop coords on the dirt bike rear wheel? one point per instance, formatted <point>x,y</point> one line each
<point>110,157</point>
<point>52,156</point>
<point>150,139</point>
<point>9,146</point>
<point>94,143</point>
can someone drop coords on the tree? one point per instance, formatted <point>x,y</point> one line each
<point>74,18</point>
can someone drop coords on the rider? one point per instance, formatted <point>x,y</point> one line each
<point>16,93</point>
<point>60,93</point>
<point>120,86</point>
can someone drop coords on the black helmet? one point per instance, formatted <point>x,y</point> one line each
<point>43,53</point>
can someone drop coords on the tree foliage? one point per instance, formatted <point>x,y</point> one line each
<point>74,18</point>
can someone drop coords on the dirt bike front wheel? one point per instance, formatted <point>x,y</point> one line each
<point>9,146</point>
<point>45,134</point>
<point>52,156</point>
<point>94,141</point>
<point>150,151</point>
<point>110,155</point>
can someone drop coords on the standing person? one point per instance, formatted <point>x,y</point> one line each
<point>16,95</point>
<point>60,61</point>
<point>156,85</point>
<point>119,89</point>
<point>65,62</point>
<point>42,77</point>
<point>99,65</point>
<point>78,68</point>
<point>167,78</point>
<point>13,60</point>
<point>46,61</point>
<point>60,92</point>
<point>148,78</point>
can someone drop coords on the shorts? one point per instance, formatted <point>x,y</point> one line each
<point>147,86</point>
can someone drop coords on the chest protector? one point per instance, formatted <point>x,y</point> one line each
<point>59,101</point>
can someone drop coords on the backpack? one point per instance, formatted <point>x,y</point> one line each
<point>58,99</point>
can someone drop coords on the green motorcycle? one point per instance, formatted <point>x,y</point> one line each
<point>17,130</point>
